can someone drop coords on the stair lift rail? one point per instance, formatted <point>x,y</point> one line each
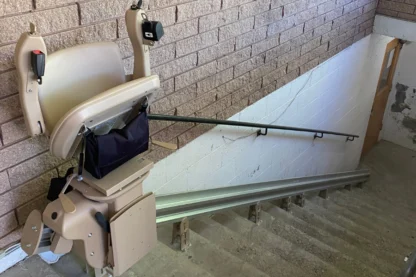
<point>318,133</point>
<point>173,208</point>
<point>410,269</point>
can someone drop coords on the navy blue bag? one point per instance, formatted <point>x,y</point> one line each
<point>104,153</point>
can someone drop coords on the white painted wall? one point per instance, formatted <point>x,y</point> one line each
<point>395,128</point>
<point>394,27</point>
<point>337,95</point>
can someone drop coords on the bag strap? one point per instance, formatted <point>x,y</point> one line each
<point>82,153</point>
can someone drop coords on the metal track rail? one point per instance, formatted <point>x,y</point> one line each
<point>172,208</point>
<point>266,127</point>
<point>410,269</point>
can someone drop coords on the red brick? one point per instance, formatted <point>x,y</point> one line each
<point>277,51</point>
<point>218,19</point>
<point>11,238</point>
<point>47,21</point>
<point>265,45</point>
<point>197,8</point>
<point>245,92</point>
<point>31,168</point>
<point>179,31</point>
<point>232,110</point>
<point>253,8</point>
<point>395,6</point>
<point>219,50</point>
<point>291,33</point>
<point>38,203</point>
<point>268,17</point>
<point>195,75</point>
<point>249,65</point>
<point>192,44</point>
<point>233,59</point>
<point>237,28</point>
<point>215,108</point>
<point>274,75</point>
<point>32,189</point>
<point>158,153</point>
<point>4,182</point>
<point>176,66</point>
<point>295,7</point>
<point>251,37</point>
<point>193,133</point>
<point>309,65</point>
<point>215,81</point>
<point>9,108</point>
<point>173,131</point>
<point>8,223</point>
<point>174,100</point>
<point>233,85</point>
<point>287,57</point>
<point>13,131</point>
<point>8,81</point>
<point>262,70</point>
<point>281,25</point>
<point>197,104</point>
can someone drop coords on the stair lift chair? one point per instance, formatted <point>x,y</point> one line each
<point>107,222</point>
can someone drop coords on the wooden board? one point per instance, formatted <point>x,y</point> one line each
<point>375,122</point>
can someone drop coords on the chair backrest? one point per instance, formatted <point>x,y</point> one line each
<point>76,74</point>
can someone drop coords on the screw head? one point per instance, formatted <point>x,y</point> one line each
<point>28,245</point>
<point>90,235</point>
<point>92,254</point>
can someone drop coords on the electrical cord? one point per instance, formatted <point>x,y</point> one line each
<point>283,112</point>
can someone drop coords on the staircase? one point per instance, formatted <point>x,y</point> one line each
<point>362,232</point>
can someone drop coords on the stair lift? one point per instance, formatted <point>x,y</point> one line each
<point>107,222</point>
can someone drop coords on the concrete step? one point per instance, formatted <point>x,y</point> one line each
<point>331,226</point>
<point>388,244</point>
<point>393,209</point>
<point>71,266</point>
<point>398,235</point>
<point>246,250</point>
<point>210,256</point>
<point>292,252</point>
<point>365,256</point>
<point>32,267</point>
<point>351,202</point>
<point>165,262</point>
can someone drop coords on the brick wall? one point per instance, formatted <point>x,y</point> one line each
<point>216,58</point>
<point>402,9</point>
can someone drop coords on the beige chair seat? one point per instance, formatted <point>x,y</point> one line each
<point>74,75</point>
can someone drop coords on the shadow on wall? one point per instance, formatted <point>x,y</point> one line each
<point>399,125</point>
<point>401,109</point>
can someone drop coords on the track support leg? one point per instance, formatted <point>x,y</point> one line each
<point>254,213</point>
<point>300,200</point>
<point>286,202</point>
<point>180,233</point>
<point>324,194</point>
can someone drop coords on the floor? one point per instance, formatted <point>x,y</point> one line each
<point>363,232</point>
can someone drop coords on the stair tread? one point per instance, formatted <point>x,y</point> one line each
<point>163,262</point>
<point>208,256</point>
<point>351,202</point>
<point>382,228</point>
<point>232,242</point>
<point>33,266</point>
<point>328,218</point>
<point>292,252</point>
<point>367,256</point>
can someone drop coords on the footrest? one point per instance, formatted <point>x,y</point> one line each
<point>133,232</point>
